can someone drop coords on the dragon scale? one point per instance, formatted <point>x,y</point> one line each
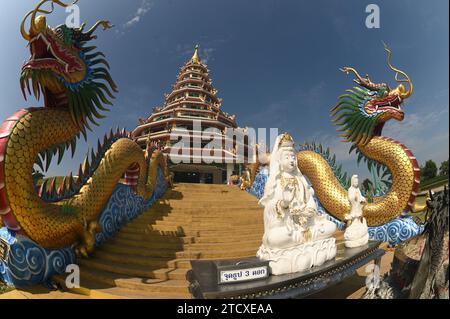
<point>75,82</point>
<point>333,196</point>
<point>360,115</point>
<point>39,129</point>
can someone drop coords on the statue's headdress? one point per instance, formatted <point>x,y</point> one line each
<point>286,140</point>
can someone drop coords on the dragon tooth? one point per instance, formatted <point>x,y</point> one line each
<point>61,151</point>
<point>83,131</point>
<point>73,146</point>
<point>48,159</point>
<point>62,188</point>
<point>86,166</point>
<point>39,163</point>
<point>99,147</point>
<point>93,157</point>
<point>43,188</point>
<point>71,183</point>
<point>80,179</point>
<point>22,88</point>
<point>53,188</point>
<point>27,82</point>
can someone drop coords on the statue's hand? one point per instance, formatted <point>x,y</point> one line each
<point>288,196</point>
<point>310,211</point>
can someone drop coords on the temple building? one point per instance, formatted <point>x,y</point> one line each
<point>191,107</point>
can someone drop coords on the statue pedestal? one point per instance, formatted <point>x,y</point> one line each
<point>357,234</point>
<point>298,258</point>
<point>203,277</point>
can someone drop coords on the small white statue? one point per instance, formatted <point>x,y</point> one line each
<point>295,236</point>
<point>357,233</point>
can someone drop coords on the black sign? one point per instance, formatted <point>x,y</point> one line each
<point>244,270</point>
<point>4,250</point>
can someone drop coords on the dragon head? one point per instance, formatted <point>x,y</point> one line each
<point>362,112</point>
<point>68,73</point>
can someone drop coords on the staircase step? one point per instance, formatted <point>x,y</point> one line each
<point>151,255</point>
<point>101,283</point>
<point>151,243</point>
<point>132,259</point>
<point>192,204</point>
<point>239,238</point>
<point>124,234</point>
<point>140,251</point>
<point>217,229</point>
<point>226,245</point>
<point>134,270</point>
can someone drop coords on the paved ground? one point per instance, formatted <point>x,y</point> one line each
<point>40,293</point>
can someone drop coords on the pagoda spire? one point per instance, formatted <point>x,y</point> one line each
<point>196,57</point>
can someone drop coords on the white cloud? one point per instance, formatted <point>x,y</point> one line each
<point>145,7</point>
<point>425,133</point>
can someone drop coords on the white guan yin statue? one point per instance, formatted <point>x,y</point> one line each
<point>356,234</point>
<point>295,236</point>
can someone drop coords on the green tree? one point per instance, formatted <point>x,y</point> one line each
<point>367,186</point>
<point>368,190</point>
<point>429,170</point>
<point>443,169</point>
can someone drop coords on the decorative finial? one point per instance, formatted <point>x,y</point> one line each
<point>196,57</point>
<point>286,140</point>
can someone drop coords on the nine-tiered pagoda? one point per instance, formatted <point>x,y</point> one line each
<point>193,100</point>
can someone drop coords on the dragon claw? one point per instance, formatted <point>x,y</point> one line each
<point>106,24</point>
<point>81,251</point>
<point>87,245</point>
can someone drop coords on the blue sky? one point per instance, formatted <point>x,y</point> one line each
<point>275,63</point>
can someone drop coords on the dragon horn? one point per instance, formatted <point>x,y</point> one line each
<point>364,82</point>
<point>34,28</point>
<point>105,24</point>
<point>397,72</point>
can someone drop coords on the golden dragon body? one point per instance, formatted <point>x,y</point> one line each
<point>361,114</point>
<point>63,70</point>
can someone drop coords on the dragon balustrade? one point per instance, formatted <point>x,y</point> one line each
<point>360,116</point>
<point>46,226</point>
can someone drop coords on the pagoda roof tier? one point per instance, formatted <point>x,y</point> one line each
<point>211,95</point>
<point>165,135</point>
<point>205,122</point>
<point>192,80</point>
<point>182,120</point>
<point>202,155</point>
<point>193,101</point>
<point>215,114</point>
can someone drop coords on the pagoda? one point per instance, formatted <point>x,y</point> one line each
<point>191,107</point>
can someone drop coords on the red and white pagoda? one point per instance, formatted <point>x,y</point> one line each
<point>189,109</point>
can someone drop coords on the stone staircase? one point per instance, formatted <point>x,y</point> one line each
<point>150,256</point>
